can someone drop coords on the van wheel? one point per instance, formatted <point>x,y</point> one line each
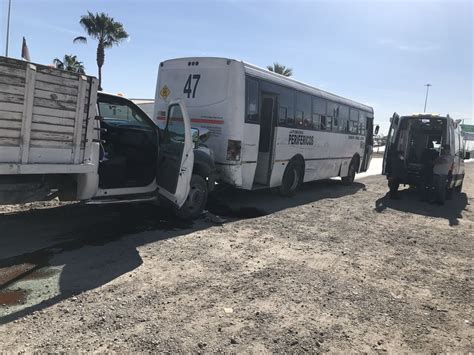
<point>196,200</point>
<point>292,178</point>
<point>349,179</point>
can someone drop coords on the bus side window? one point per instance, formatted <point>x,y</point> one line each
<point>323,123</point>
<point>319,112</point>
<point>316,121</point>
<point>362,123</point>
<point>343,118</point>
<point>354,121</point>
<point>252,101</point>
<point>332,111</point>
<point>299,118</point>
<point>287,101</point>
<point>329,123</point>
<point>282,116</point>
<point>303,110</point>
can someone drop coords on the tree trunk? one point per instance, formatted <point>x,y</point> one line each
<point>100,61</point>
<point>100,78</point>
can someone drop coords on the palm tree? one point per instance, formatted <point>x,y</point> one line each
<point>280,69</point>
<point>70,63</point>
<point>106,31</point>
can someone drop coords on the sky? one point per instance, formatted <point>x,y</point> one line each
<point>380,53</point>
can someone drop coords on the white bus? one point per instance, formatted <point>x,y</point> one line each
<point>267,130</point>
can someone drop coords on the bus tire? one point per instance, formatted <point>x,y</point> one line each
<point>196,200</point>
<point>349,179</point>
<point>292,178</point>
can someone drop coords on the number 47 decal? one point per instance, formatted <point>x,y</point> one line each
<point>187,87</point>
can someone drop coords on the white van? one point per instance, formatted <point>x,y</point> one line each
<point>408,138</point>
<point>268,130</point>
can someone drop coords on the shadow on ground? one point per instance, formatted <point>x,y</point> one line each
<point>409,201</point>
<point>92,245</point>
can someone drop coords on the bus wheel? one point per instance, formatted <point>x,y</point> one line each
<point>292,178</point>
<point>349,179</point>
<point>196,200</point>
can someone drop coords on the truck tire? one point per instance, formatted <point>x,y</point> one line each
<point>351,173</point>
<point>292,179</point>
<point>196,200</point>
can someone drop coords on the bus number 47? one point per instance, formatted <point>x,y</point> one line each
<point>187,87</point>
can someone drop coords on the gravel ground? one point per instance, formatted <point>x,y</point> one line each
<point>336,268</point>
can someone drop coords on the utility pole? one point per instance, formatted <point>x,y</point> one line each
<point>426,98</point>
<point>8,27</point>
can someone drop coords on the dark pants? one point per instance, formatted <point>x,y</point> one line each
<point>426,186</point>
<point>440,182</point>
<point>393,184</point>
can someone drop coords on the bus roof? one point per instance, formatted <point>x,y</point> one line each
<point>262,73</point>
<point>298,85</point>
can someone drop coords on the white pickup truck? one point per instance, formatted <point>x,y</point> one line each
<point>60,137</point>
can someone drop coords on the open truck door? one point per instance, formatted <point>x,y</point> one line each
<point>394,122</point>
<point>175,157</point>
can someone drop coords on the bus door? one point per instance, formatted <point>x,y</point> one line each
<point>369,143</point>
<point>268,114</point>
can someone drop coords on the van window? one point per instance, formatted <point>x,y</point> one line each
<point>252,100</point>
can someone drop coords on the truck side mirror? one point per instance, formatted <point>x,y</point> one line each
<point>195,135</point>
<point>467,155</point>
<point>376,130</point>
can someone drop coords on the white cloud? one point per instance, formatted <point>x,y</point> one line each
<point>408,47</point>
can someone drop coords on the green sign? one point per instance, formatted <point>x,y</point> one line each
<point>467,128</point>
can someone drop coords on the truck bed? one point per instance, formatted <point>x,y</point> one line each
<point>46,118</point>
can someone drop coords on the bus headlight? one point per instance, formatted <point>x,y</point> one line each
<point>233,150</point>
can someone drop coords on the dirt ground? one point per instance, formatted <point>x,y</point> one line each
<point>336,268</point>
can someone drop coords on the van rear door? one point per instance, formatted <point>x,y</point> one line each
<point>175,157</point>
<point>392,134</point>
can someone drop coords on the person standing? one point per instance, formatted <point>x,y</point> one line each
<point>427,159</point>
<point>442,166</point>
<point>398,174</point>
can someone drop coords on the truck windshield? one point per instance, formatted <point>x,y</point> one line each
<point>122,114</point>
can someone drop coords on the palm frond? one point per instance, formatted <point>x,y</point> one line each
<point>80,39</point>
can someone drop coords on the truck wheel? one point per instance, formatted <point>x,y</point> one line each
<point>196,200</point>
<point>292,178</point>
<point>349,179</point>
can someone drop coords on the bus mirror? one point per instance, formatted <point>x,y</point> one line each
<point>467,155</point>
<point>376,129</point>
<point>195,135</point>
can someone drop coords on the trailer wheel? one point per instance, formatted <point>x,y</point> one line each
<point>349,179</point>
<point>196,200</point>
<point>292,179</point>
